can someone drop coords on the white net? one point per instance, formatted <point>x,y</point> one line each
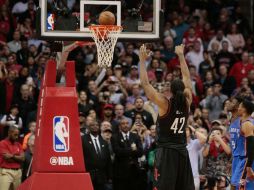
<point>105,38</point>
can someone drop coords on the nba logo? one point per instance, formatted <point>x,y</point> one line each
<point>61,138</point>
<point>50,21</point>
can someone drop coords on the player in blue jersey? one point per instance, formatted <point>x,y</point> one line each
<point>242,142</point>
<point>234,130</point>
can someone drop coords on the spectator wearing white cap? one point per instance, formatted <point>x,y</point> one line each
<point>133,76</point>
<point>118,71</point>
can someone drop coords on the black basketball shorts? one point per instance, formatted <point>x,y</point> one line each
<point>172,170</point>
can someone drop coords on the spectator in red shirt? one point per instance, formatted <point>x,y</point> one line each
<point>8,89</point>
<point>240,69</point>
<point>208,33</point>
<point>12,63</point>
<point>11,158</point>
<point>190,38</point>
<point>4,23</point>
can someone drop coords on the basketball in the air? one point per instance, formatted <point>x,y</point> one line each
<point>107,18</point>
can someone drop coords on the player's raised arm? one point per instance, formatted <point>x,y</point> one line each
<point>248,131</point>
<point>179,50</point>
<point>150,92</point>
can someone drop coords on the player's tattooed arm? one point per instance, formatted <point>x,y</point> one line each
<point>150,92</point>
<point>247,129</point>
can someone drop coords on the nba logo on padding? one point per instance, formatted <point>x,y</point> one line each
<point>61,137</point>
<point>51,22</point>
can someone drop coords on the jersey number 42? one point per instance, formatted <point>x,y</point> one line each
<point>177,125</point>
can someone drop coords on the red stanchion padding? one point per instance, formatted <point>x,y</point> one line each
<point>50,74</point>
<point>70,74</point>
<point>48,79</point>
<point>58,157</point>
<point>57,181</point>
<point>59,148</point>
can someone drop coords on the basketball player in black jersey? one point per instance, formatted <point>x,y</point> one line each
<point>172,165</point>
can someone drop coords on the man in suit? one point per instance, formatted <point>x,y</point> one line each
<point>128,148</point>
<point>97,157</point>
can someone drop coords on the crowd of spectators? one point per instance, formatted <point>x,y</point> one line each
<point>219,47</point>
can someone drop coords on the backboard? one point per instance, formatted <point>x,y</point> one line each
<point>69,19</point>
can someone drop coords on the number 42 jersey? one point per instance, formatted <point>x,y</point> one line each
<point>171,128</point>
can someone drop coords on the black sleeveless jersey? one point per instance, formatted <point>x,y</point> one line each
<point>171,128</point>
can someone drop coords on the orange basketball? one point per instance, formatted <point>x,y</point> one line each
<point>107,18</point>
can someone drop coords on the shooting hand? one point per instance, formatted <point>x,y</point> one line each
<point>179,50</point>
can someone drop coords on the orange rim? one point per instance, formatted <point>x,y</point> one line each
<point>103,29</point>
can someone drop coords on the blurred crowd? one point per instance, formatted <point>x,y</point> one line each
<point>219,45</point>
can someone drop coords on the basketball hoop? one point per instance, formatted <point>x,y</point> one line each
<point>105,37</point>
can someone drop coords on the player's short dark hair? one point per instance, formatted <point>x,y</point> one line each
<point>238,98</point>
<point>248,105</point>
